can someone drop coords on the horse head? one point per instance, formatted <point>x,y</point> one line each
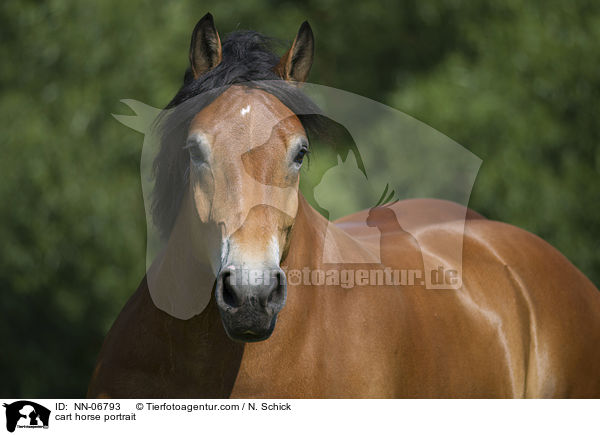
<point>235,149</point>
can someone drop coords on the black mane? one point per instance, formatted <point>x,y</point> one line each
<point>247,57</point>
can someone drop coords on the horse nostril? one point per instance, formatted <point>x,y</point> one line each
<point>230,296</point>
<point>277,294</point>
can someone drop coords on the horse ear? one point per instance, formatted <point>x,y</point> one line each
<point>295,64</point>
<point>205,48</point>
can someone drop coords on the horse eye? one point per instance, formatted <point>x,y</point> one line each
<point>197,155</point>
<point>300,156</point>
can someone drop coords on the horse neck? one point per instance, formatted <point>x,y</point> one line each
<point>307,239</point>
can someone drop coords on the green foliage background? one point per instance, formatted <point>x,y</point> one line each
<point>516,82</point>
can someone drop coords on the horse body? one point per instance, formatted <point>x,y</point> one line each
<point>524,324</point>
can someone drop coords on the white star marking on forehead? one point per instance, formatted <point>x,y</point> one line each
<point>245,110</point>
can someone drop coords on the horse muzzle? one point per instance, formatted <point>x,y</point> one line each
<point>249,301</point>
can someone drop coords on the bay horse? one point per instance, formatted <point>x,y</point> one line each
<point>525,322</point>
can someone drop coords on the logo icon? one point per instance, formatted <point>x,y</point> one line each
<point>26,414</point>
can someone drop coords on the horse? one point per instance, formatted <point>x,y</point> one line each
<point>524,322</point>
